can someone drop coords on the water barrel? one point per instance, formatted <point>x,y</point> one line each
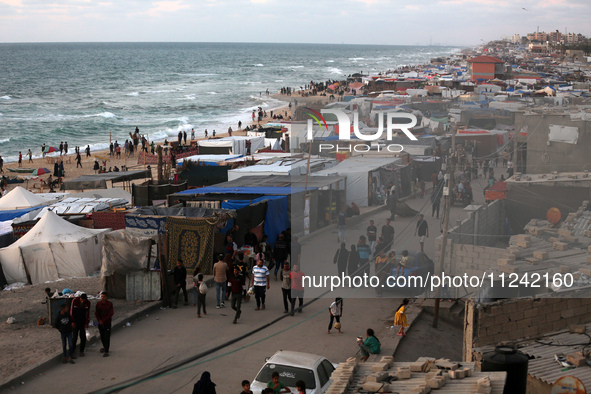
<point>508,359</point>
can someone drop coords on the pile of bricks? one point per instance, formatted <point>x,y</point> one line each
<point>422,376</point>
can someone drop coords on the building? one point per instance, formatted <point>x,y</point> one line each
<point>483,68</point>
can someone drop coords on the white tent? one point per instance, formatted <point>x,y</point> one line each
<point>20,198</point>
<point>231,145</point>
<point>54,248</point>
<point>358,171</point>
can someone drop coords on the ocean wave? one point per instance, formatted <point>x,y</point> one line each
<point>295,66</point>
<point>334,70</point>
<point>134,94</point>
<point>211,92</point>
<point>6,97</point>
<point>330,61</point>
<point>4,140</point>
<point>190,97</point>
<point>159,91</point>
<point>356,58</point>
<point>101,115</point>
<point>259,65</point>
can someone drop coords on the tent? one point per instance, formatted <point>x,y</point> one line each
<point>363,178</point>
<point>230,145</point>
<point>287,166</point>
<point>99,181</point>
<point>54,248</point>
<point>20,198</point>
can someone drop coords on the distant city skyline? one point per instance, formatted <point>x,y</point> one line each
<point>384,22</point>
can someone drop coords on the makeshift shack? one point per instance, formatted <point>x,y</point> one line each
<point>367,178</point>
<point>125,269</point>
<point>99,181</point>
<point>53,249</point>
<point>230,145</point>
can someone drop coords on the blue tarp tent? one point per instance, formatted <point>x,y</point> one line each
<point>276,217</point>
<point>16,213</point>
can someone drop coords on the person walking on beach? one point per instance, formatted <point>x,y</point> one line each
<point>180,139</point>
<point>80,311</point>
<point>230,131</point>
<point>422,230</point>
<point>213,134</point>
<point>20,159</point>
<point>336,311</point>
<point>61,147</point>
<point>104,314</point>
<point>260,280</point>
<point>66,148</point>
<point>87,150</point>
<point>30,156</point>
<point>239,125</point>
<point>43,150</point>
<point>185,136</point>
<point>63,322</point>
<point>180,282</point>
<point>205,133</point>
<point>78,160</point>
<point>2,163</point>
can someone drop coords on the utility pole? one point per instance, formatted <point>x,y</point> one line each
<point>447,191</point>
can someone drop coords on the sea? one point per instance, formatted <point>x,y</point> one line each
<point>91,93</point>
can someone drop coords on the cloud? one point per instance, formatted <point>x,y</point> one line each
<point>161,7</point>
<point>12,3</point>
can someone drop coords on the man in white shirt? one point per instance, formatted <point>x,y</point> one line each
<point>260,280</point>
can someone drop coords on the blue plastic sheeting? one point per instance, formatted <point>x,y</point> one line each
<point>276,217</point>
<point>16,213</point>
<point>273,191</point>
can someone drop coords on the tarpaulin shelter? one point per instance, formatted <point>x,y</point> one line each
<point>20,198</point>
<point>230,145</point>
<point>363,177</point>
<point>53,249</point>
<point>123,253</point>
<point>265,202</point>
<point>287,166</point>
<point>99,181</point>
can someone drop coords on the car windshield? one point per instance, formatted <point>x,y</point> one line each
<point>287,375</point>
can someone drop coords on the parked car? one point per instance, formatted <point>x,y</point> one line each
<point>314,370</point>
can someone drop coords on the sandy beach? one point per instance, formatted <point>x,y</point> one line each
<point>39,184</point>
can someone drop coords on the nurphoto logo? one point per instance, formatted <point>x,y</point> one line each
<point>345,125</point>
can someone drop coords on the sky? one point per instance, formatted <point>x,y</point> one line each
<point>387,22</point>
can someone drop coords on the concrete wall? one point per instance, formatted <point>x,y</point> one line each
<point>491,323</point>
<point>473,255</point>
<point>555,156</point>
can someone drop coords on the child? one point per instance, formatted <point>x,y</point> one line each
<point>336,311</point>
<point>301,387</point>
<point>246,387</point>
<point>63,322</point>
<point>400,317</point>
<point>200,296</point>
<point>275,385</point>
<point>403,263</point>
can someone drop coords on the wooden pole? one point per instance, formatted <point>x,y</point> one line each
<point>450,175</point>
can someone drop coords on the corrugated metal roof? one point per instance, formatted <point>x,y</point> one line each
<point>543,366</point>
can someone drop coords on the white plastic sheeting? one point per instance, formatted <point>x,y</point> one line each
<point>567,134</point>
<point>236,144</point>
<point>54,248</point>
<point>358,170</point>
<point>124,253</point>
<point>281,167</point>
